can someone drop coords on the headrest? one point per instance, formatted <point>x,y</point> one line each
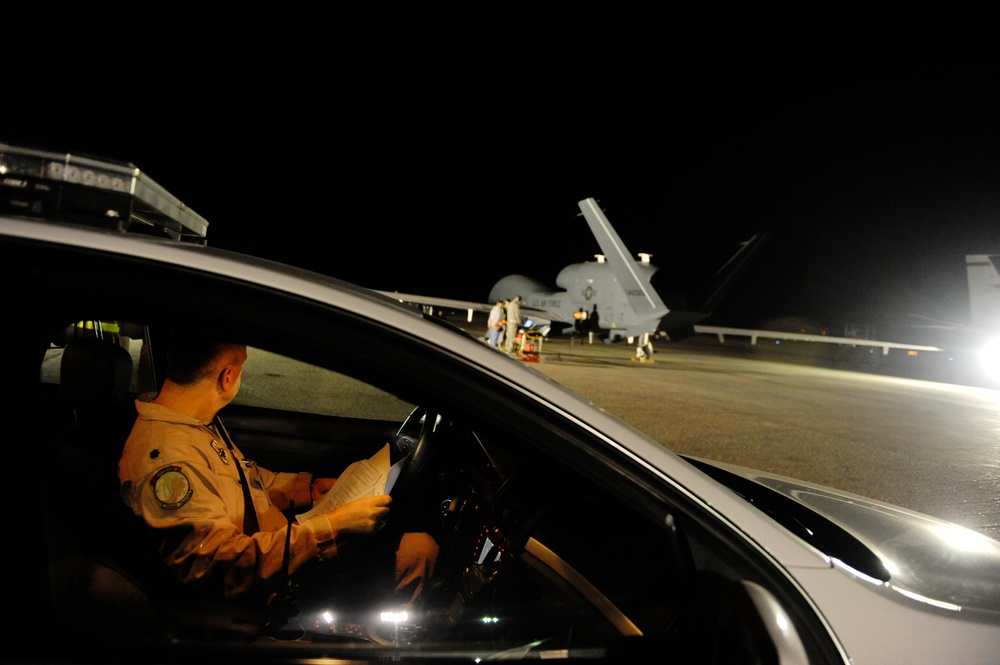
<point>95,376</point>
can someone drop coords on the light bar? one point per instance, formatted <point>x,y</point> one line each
<point>65,186</point>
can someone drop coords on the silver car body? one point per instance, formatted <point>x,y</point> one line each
<point>941,605</point>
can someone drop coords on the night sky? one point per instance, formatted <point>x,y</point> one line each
<point>435,151</point>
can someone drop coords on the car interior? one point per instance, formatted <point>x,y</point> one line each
<point>525,538</point>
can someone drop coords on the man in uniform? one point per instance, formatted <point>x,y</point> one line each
<point>513,323</point>
<point>183,475</point>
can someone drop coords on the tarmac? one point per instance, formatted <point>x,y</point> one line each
<point>928,445</point>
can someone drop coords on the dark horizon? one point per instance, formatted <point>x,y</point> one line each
<point>400,163</point>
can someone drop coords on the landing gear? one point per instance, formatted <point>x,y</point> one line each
<point>644,352</point>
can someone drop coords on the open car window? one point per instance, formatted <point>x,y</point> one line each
<point>524,541</point>
<point>275,381</point>
<point>549,542</point>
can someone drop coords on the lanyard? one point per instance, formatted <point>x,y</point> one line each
<point>250,525</point>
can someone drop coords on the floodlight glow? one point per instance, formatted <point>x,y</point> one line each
<point>990,358</point>
<point>393,617</point>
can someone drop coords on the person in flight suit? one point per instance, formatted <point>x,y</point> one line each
<point>513,323</point>
<point>182,474</point>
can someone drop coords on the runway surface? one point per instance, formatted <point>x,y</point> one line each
<point>928,446</point>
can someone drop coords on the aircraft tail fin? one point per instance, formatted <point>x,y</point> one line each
<point>983,272</point>
<point>727,275</point>
<point>679,324</point>
<point>637,287</point>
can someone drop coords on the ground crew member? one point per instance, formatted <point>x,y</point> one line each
<point>513,323</point>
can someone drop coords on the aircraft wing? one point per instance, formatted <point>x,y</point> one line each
<point>754,335</point>
<point>540,317</point>
<point>434,301</point>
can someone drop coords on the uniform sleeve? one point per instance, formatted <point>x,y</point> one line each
<point>188,508</point>
<point>283,487</point>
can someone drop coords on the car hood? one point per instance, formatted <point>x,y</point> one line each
<point>922,557</point>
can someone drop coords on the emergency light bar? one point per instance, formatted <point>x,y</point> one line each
<point>67,187</point>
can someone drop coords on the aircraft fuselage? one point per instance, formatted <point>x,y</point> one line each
<point>589,288</point>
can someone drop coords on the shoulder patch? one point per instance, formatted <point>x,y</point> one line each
<point>171,487</point>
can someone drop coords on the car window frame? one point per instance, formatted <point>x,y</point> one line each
<point>573,442</point>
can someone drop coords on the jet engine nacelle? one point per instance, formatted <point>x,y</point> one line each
<point>516,285</point>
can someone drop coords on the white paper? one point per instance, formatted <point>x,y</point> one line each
<point>367,477</point>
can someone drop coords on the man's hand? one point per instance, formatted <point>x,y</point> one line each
<point>321,486</point>
<point>361,515</point>
<point>415,561</point>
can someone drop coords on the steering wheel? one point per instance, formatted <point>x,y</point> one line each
<point>414,444</point>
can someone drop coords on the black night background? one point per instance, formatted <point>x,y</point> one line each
<point>437,150</point>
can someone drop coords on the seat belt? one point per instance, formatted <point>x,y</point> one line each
<point>250,524</point>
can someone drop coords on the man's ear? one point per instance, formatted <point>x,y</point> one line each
<point>226,378</point>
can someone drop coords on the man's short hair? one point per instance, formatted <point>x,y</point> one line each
<point>192,355</point>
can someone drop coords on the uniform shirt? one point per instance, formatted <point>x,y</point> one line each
<point>179,476</point>
<point>514,313</point>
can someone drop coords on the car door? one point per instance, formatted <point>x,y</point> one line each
<point>552,542</point>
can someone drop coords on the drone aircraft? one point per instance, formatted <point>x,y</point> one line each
<point>612,296</point>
